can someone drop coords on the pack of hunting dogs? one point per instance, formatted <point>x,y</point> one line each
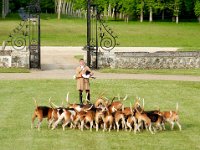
<point>106,115</point>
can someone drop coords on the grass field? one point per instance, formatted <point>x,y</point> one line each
<point>14,70</point>
<point>193,72</point>
<point>72,32</point>
<point>17,107</point>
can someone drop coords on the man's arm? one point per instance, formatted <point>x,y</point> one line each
<point>78,72</point>
<point>91,72</point>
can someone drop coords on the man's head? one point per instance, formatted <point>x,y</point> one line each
<point>81,62</point>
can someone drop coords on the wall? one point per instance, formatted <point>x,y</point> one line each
<point>145,60</point>
<point>14,58</point>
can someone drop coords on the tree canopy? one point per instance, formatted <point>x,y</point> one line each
<point>121,9</point>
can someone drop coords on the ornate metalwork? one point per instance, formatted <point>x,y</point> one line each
<point>26,36</point>
<point>18,36</point>
<point>34,7</point>
<point>107,38</point>
<point>34,33</point>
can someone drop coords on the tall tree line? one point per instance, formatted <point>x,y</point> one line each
<point>4,8</point>
<point>119,9</point>
<point>135,9</point>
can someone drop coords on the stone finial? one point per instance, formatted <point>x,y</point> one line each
<point>3,45</point>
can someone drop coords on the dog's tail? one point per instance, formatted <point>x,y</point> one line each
<point>143,104</point>
<point>67,98</point>
<point>35,102</point>
<point>50,103</point>
<point>177,107</point>
<point>131,108</point>
<point>125,98</point>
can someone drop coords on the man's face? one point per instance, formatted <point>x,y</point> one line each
<point>82,63</point>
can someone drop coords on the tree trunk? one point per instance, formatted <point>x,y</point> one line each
<point>163,14</point>
<point>105,12</point>
<point>150,14</point>
<point>199,19</point>
<point>63,7</point>
<point>177,19</point>
<point>3,8</point>
<point>70,8</point>
<point>126,18</point>
<point>56,6</point>
<point>59,8</point>
<point>141,12</point>
<point>109,10</point>
<point>120,15</point>
<point>113,13</point>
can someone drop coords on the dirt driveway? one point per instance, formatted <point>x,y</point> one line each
<point>59,63</point>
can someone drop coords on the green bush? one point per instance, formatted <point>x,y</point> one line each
<point>197,9</point>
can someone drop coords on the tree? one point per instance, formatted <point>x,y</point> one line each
<point>115,4</point>
<point>5,8</point>
<point>59,2</point>
<point>47,6</point>
<point>128,8</point>
<point>177,4</point>
<point>197,9</point>
<point>161,5</point>
<point>151,6</point>
<point>140,9</point>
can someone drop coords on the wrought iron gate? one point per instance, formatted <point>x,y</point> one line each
<point>98,35</point>
<point>34,34</point>
<point>26,36</point>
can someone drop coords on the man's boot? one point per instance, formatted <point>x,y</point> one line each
<point>88,95</point>
<point>81,97</point>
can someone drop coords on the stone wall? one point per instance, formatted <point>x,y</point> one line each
<point>14,58</point>
<point>5,59</point>
<point>146,60</point>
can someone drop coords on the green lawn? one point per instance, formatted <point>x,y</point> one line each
<point>17,107</point>
<point>14,70</point>
<point>78,57</point>
<point>72,32</point>
<point>193,72</point>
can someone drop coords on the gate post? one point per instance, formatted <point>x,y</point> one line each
<point>88,32</point>
<point>107,39</point>
<point>34,34</point>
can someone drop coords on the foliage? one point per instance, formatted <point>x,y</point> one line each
<point>197,8</point>
<point>128,7</point>
<point>80,4</point>
<point>46,5</point>
<point>132,8</point>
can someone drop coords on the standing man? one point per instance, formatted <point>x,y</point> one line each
<point>83,73</point>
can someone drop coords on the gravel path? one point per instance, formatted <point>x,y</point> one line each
<point>59,63</point>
